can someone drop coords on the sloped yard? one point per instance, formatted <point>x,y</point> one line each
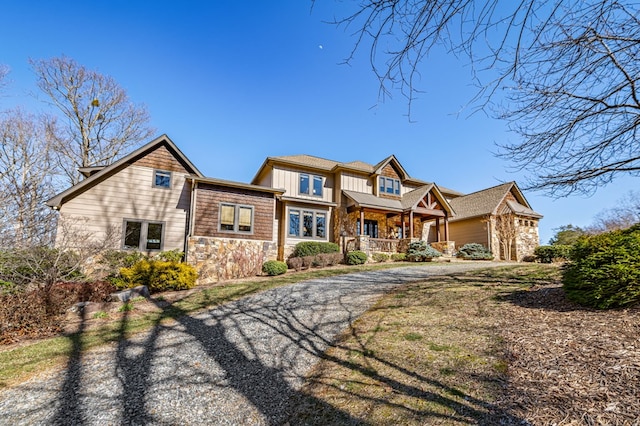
<point>500,346</point>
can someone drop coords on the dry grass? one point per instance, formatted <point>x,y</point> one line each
<point>500,346</point>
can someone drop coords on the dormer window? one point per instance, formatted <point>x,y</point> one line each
<point>389,186</point>
<point>161,179</point>
<point>310,184</point>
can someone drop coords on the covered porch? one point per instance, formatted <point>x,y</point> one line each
<point>375,224</point>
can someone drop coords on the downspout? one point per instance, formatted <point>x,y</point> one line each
<point>190,214</point>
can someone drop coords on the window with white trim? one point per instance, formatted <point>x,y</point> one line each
<point>389,185</point>
<point>236,218</point>
<point>143,235</point>
<point>161,179</point>
<point>304,223</point>
<point>311,184</point>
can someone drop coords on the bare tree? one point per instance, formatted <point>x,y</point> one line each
<point>506,231</point>
<point>101,123</point>
<point>624,214</point>
<point>569,69</point>
<point>26,176</point>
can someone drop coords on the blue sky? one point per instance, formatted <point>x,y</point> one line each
<point>234,82</point>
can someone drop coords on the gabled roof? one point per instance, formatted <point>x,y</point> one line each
<point>377,169</point>
<point>487,201</point>
<point>111,169</point>
<point>409,201</point>
<point>323,164</point>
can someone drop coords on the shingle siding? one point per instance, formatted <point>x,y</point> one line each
<point>208,199</point>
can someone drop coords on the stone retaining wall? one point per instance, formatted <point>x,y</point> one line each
<point>218,259</point>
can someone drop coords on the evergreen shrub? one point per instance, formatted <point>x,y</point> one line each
<point>474,251</point>
<point>399,257</point>
<point>553,253</point>
<point>380,257</point>
<point>274,267</point>
<point>420,251</point>
<point>604,269</point>
<point>158,275</point>
<point>312,248</point>
<point>356,257</point>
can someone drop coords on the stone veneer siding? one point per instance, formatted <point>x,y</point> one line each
<point>207,210</point>
<point>219,259</point>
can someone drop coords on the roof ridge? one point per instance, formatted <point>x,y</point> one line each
<point>487,189</point>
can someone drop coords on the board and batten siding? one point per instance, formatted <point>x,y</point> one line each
<point>355,182</point>
<point>289,179</point>
<point>472,230</point>
<point>130,194</point>
<point>207,211</point>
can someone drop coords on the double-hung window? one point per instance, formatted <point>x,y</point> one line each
<point>236,218</point>
<point>311,184</point>
<point>305,223</point>
<point>389,186</point>
<point>161,179</point>
<point>143,235</point>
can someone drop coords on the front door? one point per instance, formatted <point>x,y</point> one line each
<point>370,228</point>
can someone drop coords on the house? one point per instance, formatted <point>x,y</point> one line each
<point>155,199</point>
<point>500,218</point>
<point>373,207</point>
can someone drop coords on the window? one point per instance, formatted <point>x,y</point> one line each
<point>161,179</point>
<point>142,235</point>
<point>389,185</point>
<point>312,225</point>
<point>307,180</point>
<point>236,218</point>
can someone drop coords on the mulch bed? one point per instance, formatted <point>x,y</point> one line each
<point>570,365</point>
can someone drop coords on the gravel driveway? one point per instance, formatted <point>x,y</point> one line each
<point>239,364</point>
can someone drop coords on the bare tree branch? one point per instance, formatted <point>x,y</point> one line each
<point>569,70</point>
<point>101,122</point>
<point>26,181</point>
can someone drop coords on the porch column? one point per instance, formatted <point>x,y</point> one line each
<point>437,229</point>
<point>446,227</point>
<point>404,228</point>
<point>411,224</point>
<point>361,222</point>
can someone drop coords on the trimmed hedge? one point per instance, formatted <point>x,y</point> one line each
<point>474,251</point>
<point>604,269</point>
<point>274,267</point>
<point>312,248</point>
<point>554,253</point>
<point>420,251</point>
<point>356,258</point>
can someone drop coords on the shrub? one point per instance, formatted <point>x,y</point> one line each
<point>274,267</point>
<point>420,251</point>
<point>159,275</point>
<point>42,311</point>
<point>308,261</point>
<point>380,257</point>
<point>312,248</point>
<point>399,257</point>
<point>295,263</point>
<point>604,269</point>
<point>356,257</point>
<point>474,251</point>
<point>329,259</point>
<point>170,256</point>
<point>555,253</point>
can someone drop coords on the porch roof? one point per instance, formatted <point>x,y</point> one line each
<point>371,201</point>
<point>521,210</point>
